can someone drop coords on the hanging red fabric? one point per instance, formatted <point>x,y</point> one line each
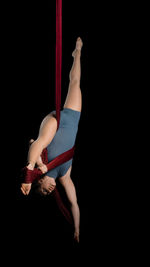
<point>60,159</point>
<point>28,178</point>
<point>58,59</point>
<point>68,154</point>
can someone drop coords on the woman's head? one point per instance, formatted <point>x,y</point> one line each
<point>45,185</point>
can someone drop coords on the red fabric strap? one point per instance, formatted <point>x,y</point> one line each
<point>56,195</point>
<point>44,156</point>
<point>29,176</point>
<point>58,59</point>
<point>62,158</point>
<point>66,213</point>
<point>68,154</point>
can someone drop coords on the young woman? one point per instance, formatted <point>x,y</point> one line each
<point>59,141</point>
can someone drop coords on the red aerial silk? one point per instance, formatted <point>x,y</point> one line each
<point>68,154</point>
<point>58,62</point>
<point>55,194</point>
<point>29,175</point>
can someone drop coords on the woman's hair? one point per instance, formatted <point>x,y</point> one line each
<point>36,188</point>
<point>56,197</point>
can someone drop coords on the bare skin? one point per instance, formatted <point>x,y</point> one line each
<point>47,132</point>
<point>69,188</point>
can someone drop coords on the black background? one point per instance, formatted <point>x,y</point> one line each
<point>99,167</point>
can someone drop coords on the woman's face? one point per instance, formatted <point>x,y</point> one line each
<point>47,185</point>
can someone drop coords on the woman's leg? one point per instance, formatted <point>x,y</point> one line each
<point>74,97</point>
<point>39,161</point>
<point>70,190</point>
<point>46,134</point>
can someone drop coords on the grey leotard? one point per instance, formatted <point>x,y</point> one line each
<point>63,140</point>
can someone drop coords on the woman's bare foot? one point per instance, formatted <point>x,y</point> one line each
<point>39,162</point>
<point>78,47</point>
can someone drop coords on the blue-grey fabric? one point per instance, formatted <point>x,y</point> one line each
<point>63,140</point>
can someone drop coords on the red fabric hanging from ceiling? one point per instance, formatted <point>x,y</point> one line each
<point>30,176</point>
<point>58,59</point>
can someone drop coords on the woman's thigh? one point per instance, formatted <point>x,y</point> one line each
<point>62,179</point>
<point>48,129</point>
<point>74,97</point>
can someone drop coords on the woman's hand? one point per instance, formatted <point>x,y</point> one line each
<point>76,235</point>
<point>25,188</point>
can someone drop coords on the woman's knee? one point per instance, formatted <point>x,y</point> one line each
<point>74,81</point>
<point>47,131</point>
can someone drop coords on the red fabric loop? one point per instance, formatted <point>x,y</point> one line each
<point>63,209</point>
<point>30,176</point>
<point>61,159</point>
<point>44,156</point>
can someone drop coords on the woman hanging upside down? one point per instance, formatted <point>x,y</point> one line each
<point>59,141</point>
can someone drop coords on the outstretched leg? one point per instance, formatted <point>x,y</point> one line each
<point>49,125</point>
<point>74,97</point>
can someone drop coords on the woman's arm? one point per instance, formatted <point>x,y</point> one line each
<point>71,195</point>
